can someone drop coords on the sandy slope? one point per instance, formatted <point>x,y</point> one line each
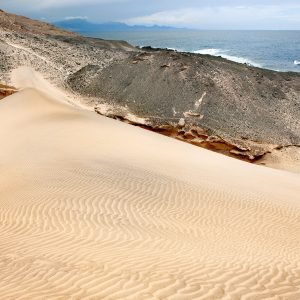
<point>91,208</point>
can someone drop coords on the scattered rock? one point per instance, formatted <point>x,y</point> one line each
<point>191,114</point>
<point>181,122</point>
<point>165,66</point>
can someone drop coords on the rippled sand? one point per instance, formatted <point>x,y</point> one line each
<point>92,208</point>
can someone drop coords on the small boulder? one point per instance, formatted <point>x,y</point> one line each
<point>181,122</point>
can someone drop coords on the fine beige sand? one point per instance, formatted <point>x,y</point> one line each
<point>92,208</point>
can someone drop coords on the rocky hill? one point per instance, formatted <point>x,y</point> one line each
<point>211,102</point>
<point>54,52</point>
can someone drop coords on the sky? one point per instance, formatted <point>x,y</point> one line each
<point>199,14</point>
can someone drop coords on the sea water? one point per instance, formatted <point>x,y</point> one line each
<point>275,50</point>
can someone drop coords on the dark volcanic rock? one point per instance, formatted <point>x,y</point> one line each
<point>237,102</point>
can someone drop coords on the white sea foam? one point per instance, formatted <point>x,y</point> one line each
<point>223,53</point>
<point>297,62</point>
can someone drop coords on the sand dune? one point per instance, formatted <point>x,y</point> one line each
<point>92,208</point>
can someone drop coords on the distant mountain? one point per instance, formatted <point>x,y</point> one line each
<point>83,26</point>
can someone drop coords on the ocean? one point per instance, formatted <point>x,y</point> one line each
<point>275,50</point>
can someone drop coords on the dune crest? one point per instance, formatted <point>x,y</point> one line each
<point>92,208</point>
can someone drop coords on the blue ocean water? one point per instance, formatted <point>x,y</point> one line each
<point>276,50</point>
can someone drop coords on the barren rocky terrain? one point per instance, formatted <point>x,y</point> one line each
<point>232,108</point>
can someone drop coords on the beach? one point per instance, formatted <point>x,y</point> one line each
<point>93,208</point>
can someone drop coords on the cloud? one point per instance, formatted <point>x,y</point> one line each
<point>64,3</point>
<point>76,18</point>
<point>227,17</point>
<point>49,4</point>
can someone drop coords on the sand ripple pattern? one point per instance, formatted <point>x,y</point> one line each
<point>95,209</point>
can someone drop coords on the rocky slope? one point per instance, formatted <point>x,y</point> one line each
<point>228,107</point>
<point>206,96</point>
<point>54,52</point>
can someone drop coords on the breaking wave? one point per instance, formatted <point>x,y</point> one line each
<point>223,53</point>
<point>297,62</point>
